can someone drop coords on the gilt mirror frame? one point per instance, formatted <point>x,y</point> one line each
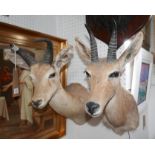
<point>23,38</point>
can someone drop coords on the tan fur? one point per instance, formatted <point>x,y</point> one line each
<point>70,103</point>
<point>117,105</point>
<point>67,102</point>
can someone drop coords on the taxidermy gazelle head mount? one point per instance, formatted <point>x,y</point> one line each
<point>45,74</point>
<point>104,74</point>
<point>69,101</point>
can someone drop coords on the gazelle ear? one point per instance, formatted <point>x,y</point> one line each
<point>132,50</point>
<point>83,51</point>
<point>20,62</point>
<point>64,57</point>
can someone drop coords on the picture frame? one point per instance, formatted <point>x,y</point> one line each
<point>47,123</point>
<point>141,78</point>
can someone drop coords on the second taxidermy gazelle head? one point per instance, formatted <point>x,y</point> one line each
<point>104,74</point>
<point>45,74</point>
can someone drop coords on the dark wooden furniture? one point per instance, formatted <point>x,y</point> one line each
<point>127,25</point>
<point>47,123</point>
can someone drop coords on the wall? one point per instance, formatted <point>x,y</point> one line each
<point>37,23</point>
<point>68,27</point>
<point>151,104</point>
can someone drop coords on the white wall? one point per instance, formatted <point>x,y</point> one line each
<point>151,104</point>
<point>68,27</point>
<point>37,23</point>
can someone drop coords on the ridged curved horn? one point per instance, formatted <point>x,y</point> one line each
<point>112,45</point>
<point>29,59</point>
<point>48,56</point>
<point>93,45</point>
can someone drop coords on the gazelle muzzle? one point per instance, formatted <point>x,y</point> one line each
<point>92,108</point>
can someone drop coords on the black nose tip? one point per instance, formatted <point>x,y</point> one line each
<point>36,103</point>
<point>92,107</point>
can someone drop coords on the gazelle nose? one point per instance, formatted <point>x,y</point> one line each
<point>36,104</point>
<point>92,107</point>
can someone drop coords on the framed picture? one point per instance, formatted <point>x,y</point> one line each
<point>143,83</point>
<point>141,78</point>
<point>46,122</point>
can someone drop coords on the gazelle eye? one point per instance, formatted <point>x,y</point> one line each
<point>114,75</point>
<point>87,74</point>
<point>51,75</point>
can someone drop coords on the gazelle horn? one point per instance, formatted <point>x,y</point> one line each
<point>48,56</point>
<point>29,59</point>
<point>93,45</point>
<point>112,45</point>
